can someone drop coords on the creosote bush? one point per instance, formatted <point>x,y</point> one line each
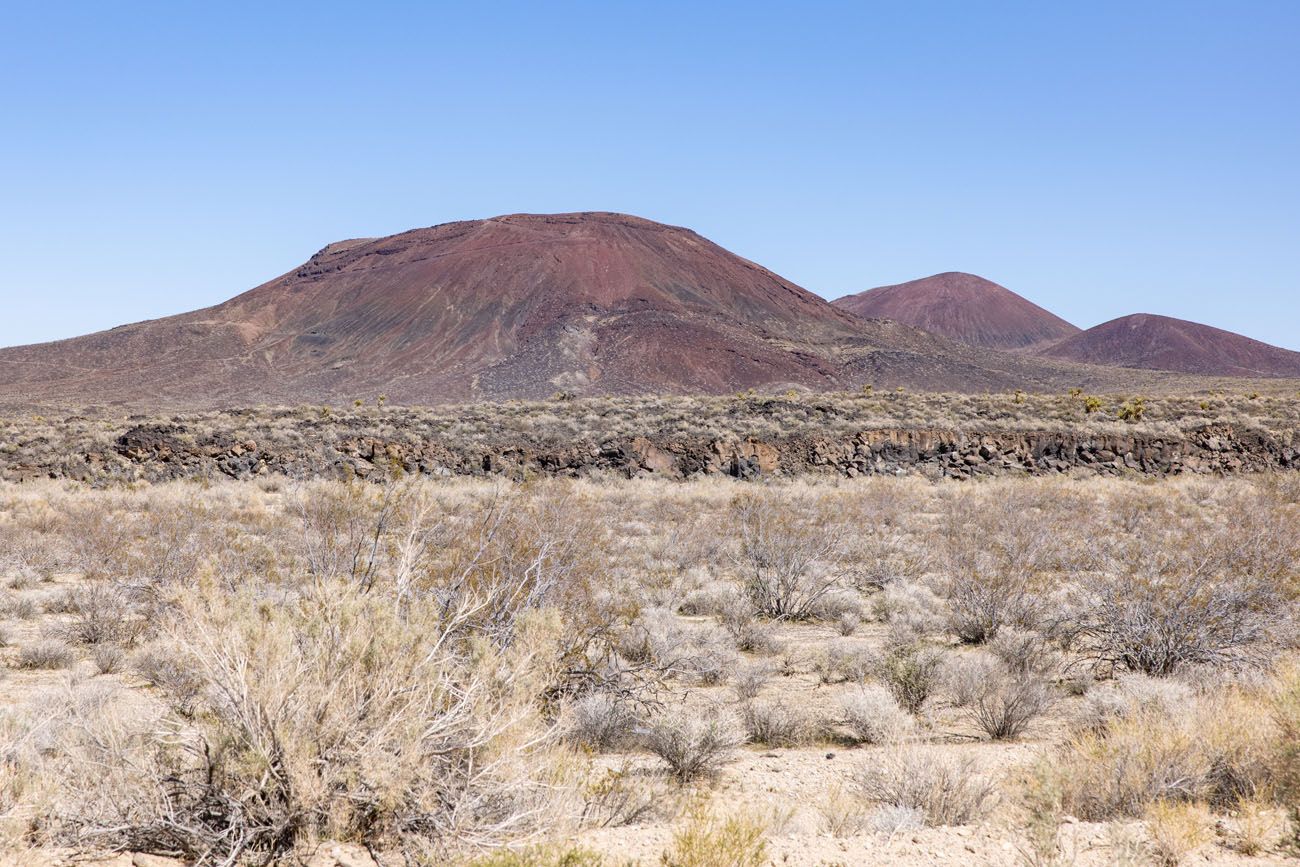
<point>1159,623</point>
<point>912,673</point>
<point>787,555</point>
<point>1006,703</point>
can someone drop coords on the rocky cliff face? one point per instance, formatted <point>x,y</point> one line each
<point>159,452</point>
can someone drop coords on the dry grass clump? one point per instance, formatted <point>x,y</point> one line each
<point>49,653</point>
<point>708,839</point>
<point>945,791</point>
<point>1176,830</point>
<point>1213,748</point>
<point>842,813</point>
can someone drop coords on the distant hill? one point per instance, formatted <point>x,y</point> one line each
<point>1154,342</point>
<point>963,307</point>
<point>518,306</point>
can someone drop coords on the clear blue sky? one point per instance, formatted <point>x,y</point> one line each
<point>1100,158</point>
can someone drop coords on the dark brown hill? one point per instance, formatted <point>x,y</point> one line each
<point>1154,342</point>
<point>519,306</point>
<point>962,307</point>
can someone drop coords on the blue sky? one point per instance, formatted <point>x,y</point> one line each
<point>1100,158</point>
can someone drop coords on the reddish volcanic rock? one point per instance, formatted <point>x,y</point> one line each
<point>962,307</point>
<point>516,306</point>
<point>1162,343</point>
<point>519,306</point>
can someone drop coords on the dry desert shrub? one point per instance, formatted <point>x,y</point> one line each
<point>1214,748</point>
<point>694,744</point>
<point>873,716</point>
<point>1285,706</point>
<point>788,552</point>
<point>623,796</point>
<point>912,673</point>
<point>47,653</point>
<point>748,633</point>
<point>844,660</point>
<point>946,791</point>
<point>1026,652</point>
<point>170,669</point>
<point>102,613</point>
<point>778,723</point>
<point>1042,814</point>
<point>1256,824</point>
<point>22,608</point>
<point>79,758</point>
<point>750,679</point>
<point>1159,623</point>
<point>911,609</point>
<point>995,553</point>
<point>600,721</point>
<point>342,716</point>
<point>964,676</point>
<point>425,735</point>
<point>1130,693</point>
<point>1008,700</point>
<point>108,659</point>
<point>657,638</point>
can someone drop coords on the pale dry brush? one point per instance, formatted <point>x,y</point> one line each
<point>945,790</point>
<point>694,743</point>
<point>787,552</point>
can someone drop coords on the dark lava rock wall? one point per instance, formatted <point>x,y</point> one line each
<point>164,452</point>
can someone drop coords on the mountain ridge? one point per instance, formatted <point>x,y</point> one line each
<point>516,306</point>
<point>1154,342</point>
<point>963,307</point>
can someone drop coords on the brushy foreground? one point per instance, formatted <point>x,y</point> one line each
<point>480,671</point>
